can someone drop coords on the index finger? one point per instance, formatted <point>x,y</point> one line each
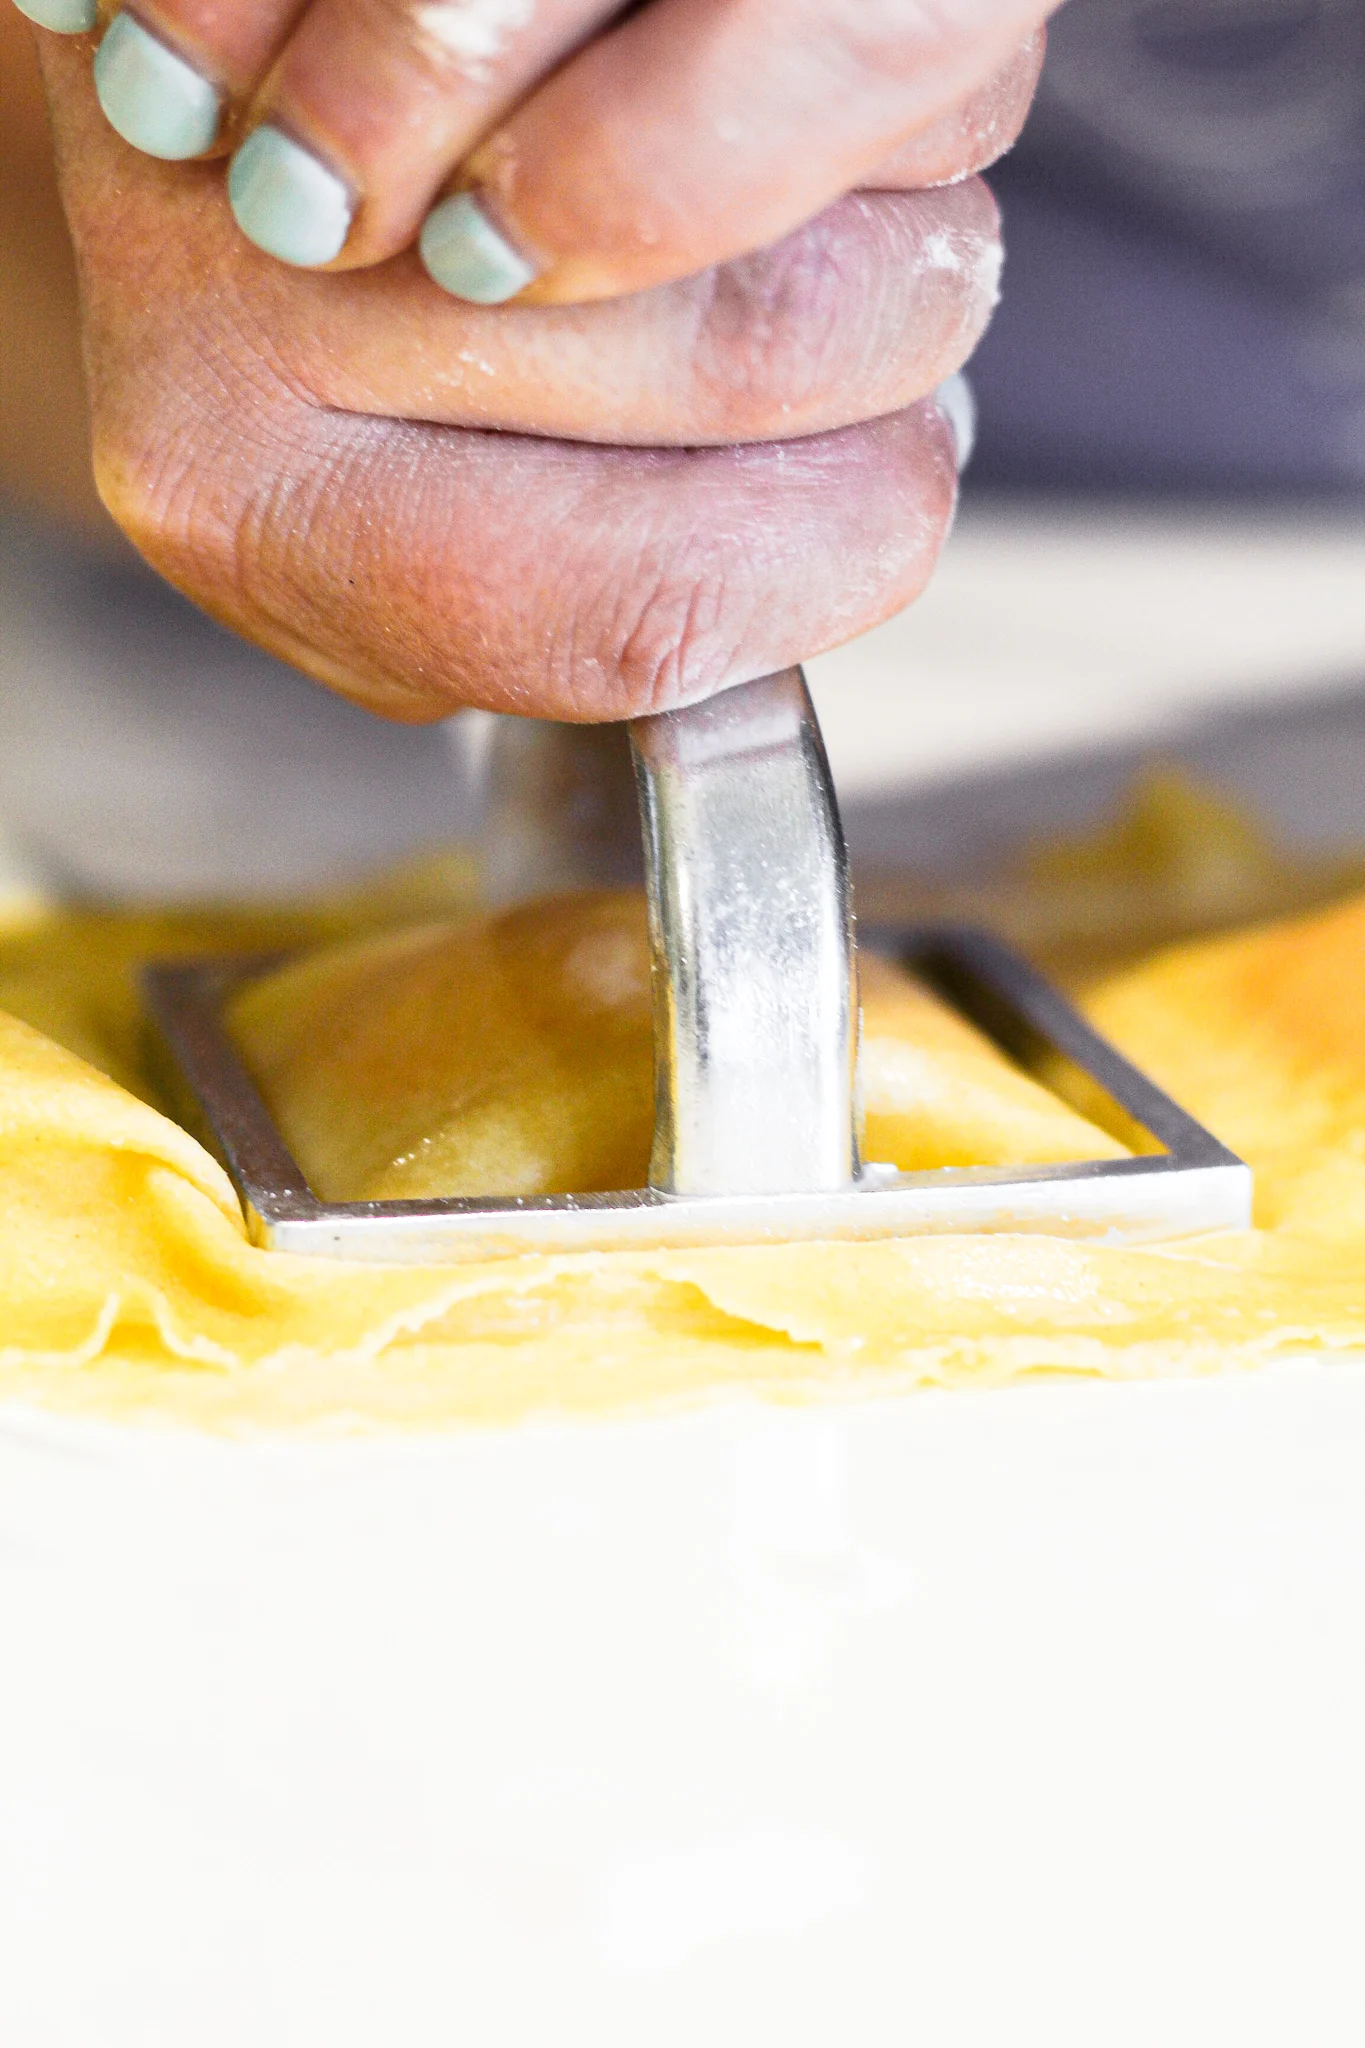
<point>699,130</point>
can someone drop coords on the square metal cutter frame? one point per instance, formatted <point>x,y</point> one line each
<point>755,1038</point>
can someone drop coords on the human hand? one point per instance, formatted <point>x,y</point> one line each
<point>309,457</point>
<point>586,152</point>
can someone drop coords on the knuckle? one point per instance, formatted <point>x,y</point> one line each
<point>671,646</point>
<point>659,637</point>
<point>853,316</point>
<point>774,342</point>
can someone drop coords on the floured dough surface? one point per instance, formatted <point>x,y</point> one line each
<point>129,1287</point>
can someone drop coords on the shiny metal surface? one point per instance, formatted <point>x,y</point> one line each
<point>1193,1184</point>
<point>559,808</point>
<point>751,930</point>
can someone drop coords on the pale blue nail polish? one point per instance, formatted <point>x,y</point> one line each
<point>286,202</point>
<point>151,97</point>
<point>466,256</point>
<point>64,17</point>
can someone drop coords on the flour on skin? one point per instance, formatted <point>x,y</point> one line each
<point>471,34</point>
<point>944,251</point>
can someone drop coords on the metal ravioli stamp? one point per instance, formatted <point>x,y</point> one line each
<point>755,1026</point>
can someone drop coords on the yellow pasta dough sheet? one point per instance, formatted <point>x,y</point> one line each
<point>128,1288</point>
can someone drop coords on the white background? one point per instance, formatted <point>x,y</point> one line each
<point>1031,1716</point>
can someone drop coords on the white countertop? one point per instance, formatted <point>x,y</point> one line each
<point>1022,1717</point>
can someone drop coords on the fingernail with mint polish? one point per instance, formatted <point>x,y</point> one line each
<point>286,201</point>
<point>63,17</point>
<point>151,97</point>
<point>467,257</point>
